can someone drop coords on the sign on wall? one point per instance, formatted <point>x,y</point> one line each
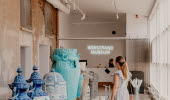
<point>100,49</point>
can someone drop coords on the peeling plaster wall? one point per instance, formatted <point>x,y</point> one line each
<point>9,44</point>
<point>39,28</point>
<point>12,38</point>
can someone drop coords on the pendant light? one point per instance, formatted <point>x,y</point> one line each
<point>114,4</point>
<point>74,7</point>
<point>83,14</point>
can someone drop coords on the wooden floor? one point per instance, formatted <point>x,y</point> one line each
<point>101,96</point>
<point>139,97</point>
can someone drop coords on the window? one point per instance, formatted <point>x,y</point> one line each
<point>26,14</point>
<point>160,67</point>
<point>50,20</point>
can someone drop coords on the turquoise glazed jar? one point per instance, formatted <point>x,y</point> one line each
<point>19,87</point>
<point>66,62</point>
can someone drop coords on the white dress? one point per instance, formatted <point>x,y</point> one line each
<point>122,91</point>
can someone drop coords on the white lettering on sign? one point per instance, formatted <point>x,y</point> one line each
<point>99,50</point>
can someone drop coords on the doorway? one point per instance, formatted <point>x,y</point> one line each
<point>26,61</point>
<point>44,55</point>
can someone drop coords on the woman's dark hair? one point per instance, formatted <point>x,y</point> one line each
<point>111,60</point>
<point>111,65</point>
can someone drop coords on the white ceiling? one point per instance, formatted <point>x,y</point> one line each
<point>104,8</point>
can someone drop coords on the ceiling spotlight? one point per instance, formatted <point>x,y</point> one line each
<point>74,8</point>
<point>83,17</point>
<point>117,16</point>
<point>114,4</point>
<point>58,4</point>
<point>66,1</point>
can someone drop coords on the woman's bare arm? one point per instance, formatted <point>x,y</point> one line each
<point>116,80</point>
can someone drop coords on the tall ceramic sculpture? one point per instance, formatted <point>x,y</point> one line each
<point>19,87</point>
<point>37,93</point>
<point>81,79</point>
<point>93,85</point>
<point>55,86</point>
<point>85,89</point>
<point>66,62</point>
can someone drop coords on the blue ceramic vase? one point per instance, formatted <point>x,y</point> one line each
<point>19,87</point>
<point>37,93</point>
<point>66,62</point>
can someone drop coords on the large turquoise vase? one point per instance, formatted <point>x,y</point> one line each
<point>66,62</point>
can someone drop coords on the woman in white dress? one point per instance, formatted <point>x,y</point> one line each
<point>121,77</point>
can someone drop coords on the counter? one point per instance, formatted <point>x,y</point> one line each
<point>103,76</point>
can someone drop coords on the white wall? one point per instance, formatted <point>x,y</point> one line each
<point>95,60</point>
<point>137,55</point>
<point>64,24</point>
<point>70,26</point>
<point>137,51</point>
<point>136,26</point>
